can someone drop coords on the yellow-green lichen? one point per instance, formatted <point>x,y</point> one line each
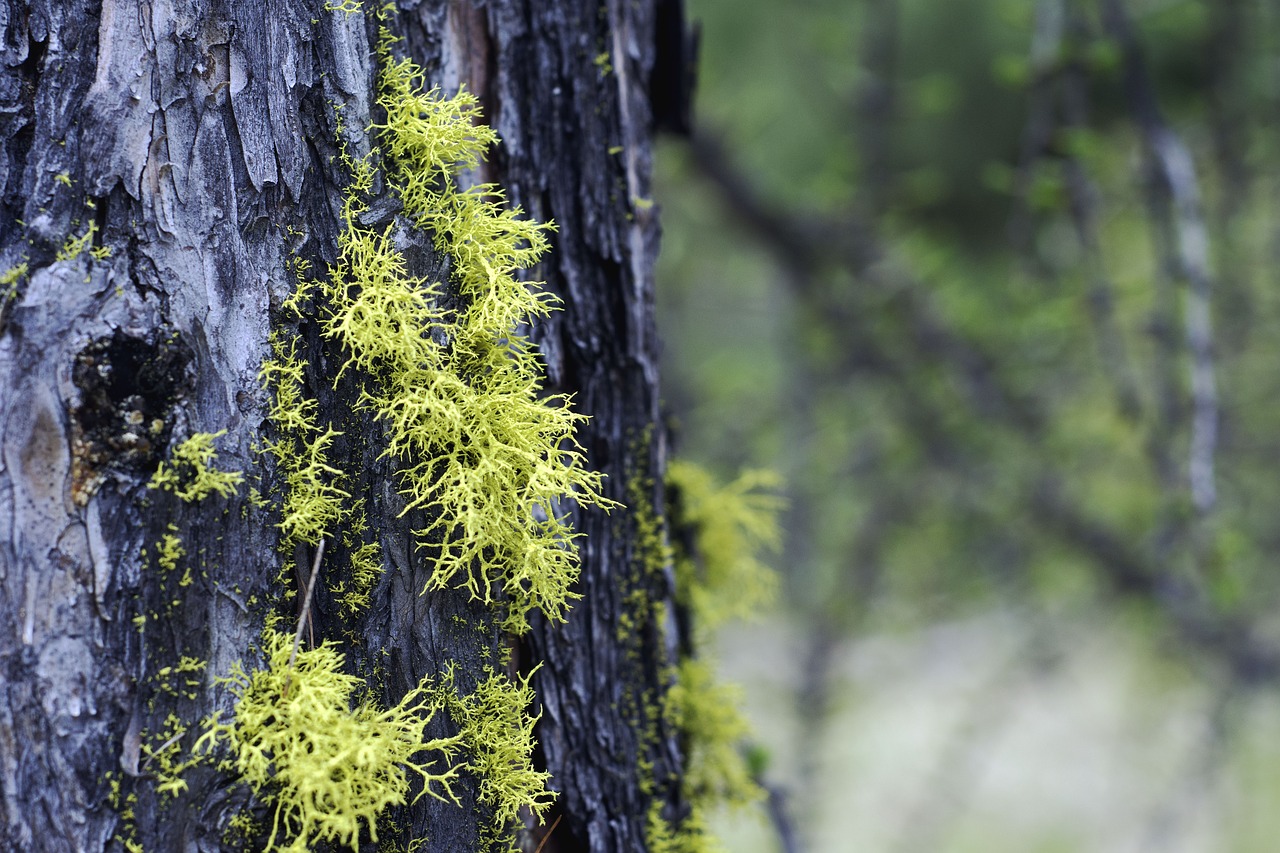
<point>706,712</point>
<point>164,758</point>
<point>720,534</point>
<point>481,449</point>
<point>496,730</point>
<point>170,551</point>
<point>366,568</point>
<point>75,246</point>
<point>327,761</point>
<point>189,473</point>
<point>732,526</point>
<point>9,278</point>
<point>313,502</point>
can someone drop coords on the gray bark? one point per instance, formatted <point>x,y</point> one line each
<point>199,137</point>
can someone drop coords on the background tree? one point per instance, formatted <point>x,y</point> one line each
<point>202,203</point>
<point>991,282</point>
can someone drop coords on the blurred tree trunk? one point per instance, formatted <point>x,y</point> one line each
<point>195,143</point>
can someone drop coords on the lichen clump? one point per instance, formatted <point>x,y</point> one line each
<point>313,503</point>
<point>721,533</point>
<point>730,526</point>
<point>447,367</point>
<point>497,733</point>
<point>190,474</point>
<point>329,763</point>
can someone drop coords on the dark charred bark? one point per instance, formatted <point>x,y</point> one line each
<point>196,141</point>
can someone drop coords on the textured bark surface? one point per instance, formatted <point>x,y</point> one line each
<point>198,138</point>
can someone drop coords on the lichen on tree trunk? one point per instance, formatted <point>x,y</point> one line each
<point>164,167</point>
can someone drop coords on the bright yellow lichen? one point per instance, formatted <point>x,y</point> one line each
<point>171,551</point>
<point>366,568</point>
<point>497,732</point>
<point>189,474</point>
<point>313,502</point>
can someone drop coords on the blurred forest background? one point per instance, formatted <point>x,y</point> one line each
<point>994,286</point>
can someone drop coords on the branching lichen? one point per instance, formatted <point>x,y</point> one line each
<point>496,730</point>
<point>329,768</point>
<point>481,449</point>
<point>731,527</point>
<point>720,534</point>
<point>706,712</point>
<point>313,502</point>
<point>189,473</point>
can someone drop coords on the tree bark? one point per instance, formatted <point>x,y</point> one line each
<point>196,143</point>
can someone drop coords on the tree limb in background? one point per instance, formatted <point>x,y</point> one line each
<point>803,245</point>
<point>1177,170</point>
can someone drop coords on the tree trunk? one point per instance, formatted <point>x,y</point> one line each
<point>196,150</point>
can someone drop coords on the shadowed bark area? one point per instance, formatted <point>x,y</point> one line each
<point>192,150</point>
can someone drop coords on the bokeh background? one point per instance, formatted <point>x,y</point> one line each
<point>994,286</point>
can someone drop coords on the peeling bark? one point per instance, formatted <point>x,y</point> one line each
<point>196,142</point>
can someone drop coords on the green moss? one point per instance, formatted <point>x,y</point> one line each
<point>189,474</point>
<point>329,764</point>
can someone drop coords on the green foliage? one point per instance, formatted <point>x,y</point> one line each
<point>329,762</point>
<point>189,474</point>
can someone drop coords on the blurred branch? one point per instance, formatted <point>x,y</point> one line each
<point>780,817</point>
<point>1177,171</point>
<point>1082,202</point>
<point>809,246</point>
<point>1198,621</point>
<point>877,103</point>
<point>1038,131</point>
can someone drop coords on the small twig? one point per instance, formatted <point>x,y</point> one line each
<point>547,837</point>
<point>161,748</point>
<point>779,817</point>
<point>304,615</point>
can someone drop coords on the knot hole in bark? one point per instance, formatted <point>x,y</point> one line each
<point>128,387</point>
